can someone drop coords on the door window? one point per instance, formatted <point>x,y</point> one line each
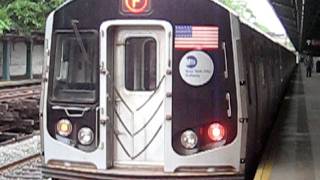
<point>140,64</point>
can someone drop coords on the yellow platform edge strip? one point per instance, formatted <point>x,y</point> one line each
<point>264,169</point>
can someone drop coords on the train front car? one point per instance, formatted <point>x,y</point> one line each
<point>143,89</point>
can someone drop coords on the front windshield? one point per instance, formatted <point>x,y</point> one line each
<point>75,70</point>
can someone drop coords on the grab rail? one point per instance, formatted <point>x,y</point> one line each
<point>68,109</point>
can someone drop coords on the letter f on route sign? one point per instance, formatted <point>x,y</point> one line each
<point>134,3</point>
<point>136,7</point>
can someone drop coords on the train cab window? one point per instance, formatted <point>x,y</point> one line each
<point>140,64</point>
<point>75,67</point>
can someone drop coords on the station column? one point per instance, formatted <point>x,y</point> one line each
<point>6,60</point>
<point>29,73</point>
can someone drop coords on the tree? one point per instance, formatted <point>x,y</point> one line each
<point>25,16</point>
<point>241,8</point>
<point>5,21</point>
<point>244,12</point>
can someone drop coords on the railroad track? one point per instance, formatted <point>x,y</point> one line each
<point>21,160</point>
<point>17,137</point>
<point>19,150</point>
<point>14,164</point>
<point>18,111</point>
<point>27,168</point>
<point>20,92</point>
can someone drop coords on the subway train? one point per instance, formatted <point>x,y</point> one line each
<point>138,89</point>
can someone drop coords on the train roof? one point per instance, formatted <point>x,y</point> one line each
<point>242,20</point>
<point>252,26</point>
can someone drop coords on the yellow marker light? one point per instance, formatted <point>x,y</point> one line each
<point>64,127</point>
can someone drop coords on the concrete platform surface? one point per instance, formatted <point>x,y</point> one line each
<point>293,151</point>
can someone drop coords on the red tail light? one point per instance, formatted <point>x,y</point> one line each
<point>216,132</point>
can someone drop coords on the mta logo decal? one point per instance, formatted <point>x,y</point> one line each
<point>192,62</point>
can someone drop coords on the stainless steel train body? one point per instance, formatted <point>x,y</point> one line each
<point>156,88</point>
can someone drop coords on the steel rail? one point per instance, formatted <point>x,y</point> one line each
<point>18,162</point>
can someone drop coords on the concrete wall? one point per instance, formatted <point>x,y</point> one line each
<point>37,59</point>
<point>19,58</point>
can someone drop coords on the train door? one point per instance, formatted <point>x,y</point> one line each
<point>137,61</point>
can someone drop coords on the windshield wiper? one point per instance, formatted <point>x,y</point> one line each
<point>74,23</point>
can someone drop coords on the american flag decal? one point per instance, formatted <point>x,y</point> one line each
<point>197,37</point>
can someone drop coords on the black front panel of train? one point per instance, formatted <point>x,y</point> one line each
<point>87,120</point>
<point>73,86</point>
<point>193,107</point>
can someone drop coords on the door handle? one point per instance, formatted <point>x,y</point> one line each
<point>226,74</point>
<point>228,98</point>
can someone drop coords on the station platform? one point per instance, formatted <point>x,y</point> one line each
<point>293,150</point>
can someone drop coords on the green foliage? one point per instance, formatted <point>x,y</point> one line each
<point>241,8</point>
<point>25,16</point>
<point>262,27</point>
<point>5,21</point>
<point>244,11</point>
<point>227,2</point>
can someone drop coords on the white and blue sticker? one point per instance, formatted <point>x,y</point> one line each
<point>196,68</point>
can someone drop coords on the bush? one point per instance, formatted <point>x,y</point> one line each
<point>25,16</point>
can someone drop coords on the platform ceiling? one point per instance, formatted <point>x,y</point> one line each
<point>301,19</point>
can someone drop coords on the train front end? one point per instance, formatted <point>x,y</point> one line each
<point>142,89</point>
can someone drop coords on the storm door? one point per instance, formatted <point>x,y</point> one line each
<point>139,93</point>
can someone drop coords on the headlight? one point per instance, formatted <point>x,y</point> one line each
<point>189,139</point>
<point>85,136</point>
<point>64,127</point>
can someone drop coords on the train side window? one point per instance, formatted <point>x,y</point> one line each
<point>140,64</point>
